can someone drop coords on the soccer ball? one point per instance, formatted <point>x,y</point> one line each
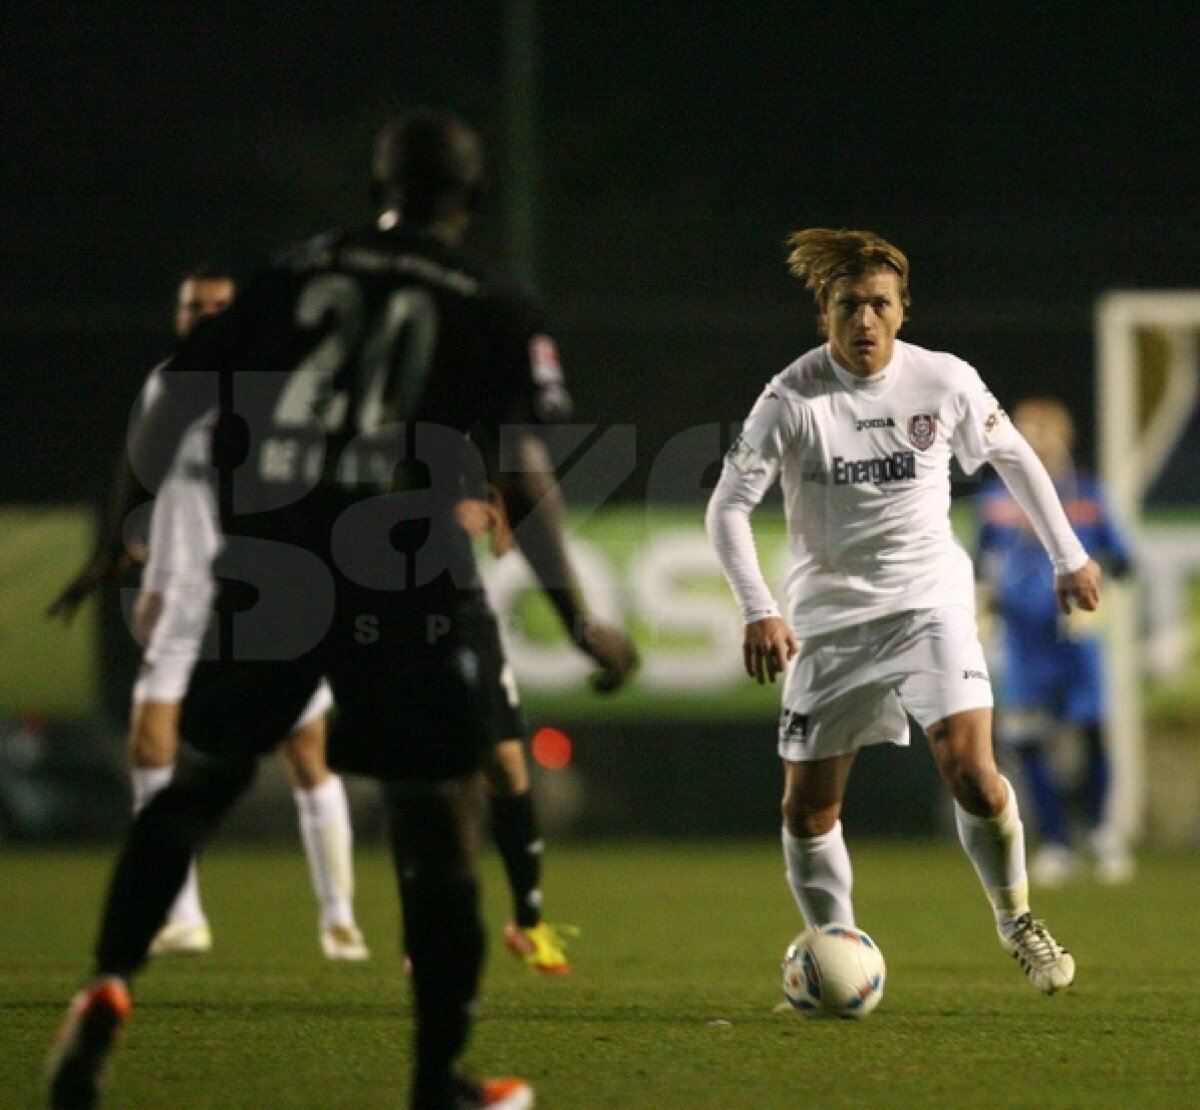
<point>834,969</point>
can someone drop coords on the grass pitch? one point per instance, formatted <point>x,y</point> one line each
<point>671,1001</point>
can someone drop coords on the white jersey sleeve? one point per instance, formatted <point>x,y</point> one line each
<point>984,433</point>
<point>751,466</point>
<point>1033,488</point>
<point>983,426</point>
<point>184,533</point>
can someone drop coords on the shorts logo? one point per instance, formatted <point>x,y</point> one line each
<point>793,726</point>
<point>922,430</point>
<point>975,674</point>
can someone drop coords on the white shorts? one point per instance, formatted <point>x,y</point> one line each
<point>174,647</point>
<point>851,688</point>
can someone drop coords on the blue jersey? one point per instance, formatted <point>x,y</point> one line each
<point>1046,667</point>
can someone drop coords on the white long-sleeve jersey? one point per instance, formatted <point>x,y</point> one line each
<point>184,536</point>
<point>865,469</point>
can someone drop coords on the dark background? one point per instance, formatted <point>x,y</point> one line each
<point>1027,157</point>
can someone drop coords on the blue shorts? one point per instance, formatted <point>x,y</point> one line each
<point>1064,680</point>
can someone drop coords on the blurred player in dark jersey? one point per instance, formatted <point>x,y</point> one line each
<point>170,616</point>
<point>1053,674</point>
<point>512,815</point>
<point>347,376</point>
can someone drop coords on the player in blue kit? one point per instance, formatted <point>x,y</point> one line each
<point>1053,664</point>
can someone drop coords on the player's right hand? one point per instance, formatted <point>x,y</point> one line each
<point>104,569</point>
<point>1081,587</point>
<point>613,650</point>
<point>478,517</point>
<point>767,647</point>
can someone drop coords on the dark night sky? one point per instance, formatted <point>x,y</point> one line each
<point>1025,164</point>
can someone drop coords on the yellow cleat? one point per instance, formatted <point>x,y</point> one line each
<point>541,946</point>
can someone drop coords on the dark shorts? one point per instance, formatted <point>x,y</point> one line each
<point>419,698</point>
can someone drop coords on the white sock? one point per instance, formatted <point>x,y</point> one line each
<point>820,875</point>
<point>328,840</point>
<point>186,909</point>
<point>996,847</point>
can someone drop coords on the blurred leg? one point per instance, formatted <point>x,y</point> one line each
<point>435,842</point>
<point>515,830</point>
<point>324,816</point>
<point>158,850</point>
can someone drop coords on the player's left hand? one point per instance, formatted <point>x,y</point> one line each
<point>1081,587</point>
<point>104,569</point>
<point>613,650</point>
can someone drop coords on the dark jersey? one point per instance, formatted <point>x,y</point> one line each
<point>347,377</point>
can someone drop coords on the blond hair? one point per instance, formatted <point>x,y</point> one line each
<point>820,256</point>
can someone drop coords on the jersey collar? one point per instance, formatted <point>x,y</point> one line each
<point>877,384</point>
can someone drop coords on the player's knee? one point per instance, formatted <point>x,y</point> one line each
<point>304,756</point>
<point>506,772</point>
<point>977,787</point>
<point>805,821</point>
<point>307,768</point>
<point>153,741</point>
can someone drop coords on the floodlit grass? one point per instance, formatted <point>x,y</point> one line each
<point>671,1002</point>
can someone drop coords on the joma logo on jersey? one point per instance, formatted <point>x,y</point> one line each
<point>896,467</point>
<point>975,674</point>
<point>874,422</point>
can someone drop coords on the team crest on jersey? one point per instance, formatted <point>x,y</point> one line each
<point>922,430</point>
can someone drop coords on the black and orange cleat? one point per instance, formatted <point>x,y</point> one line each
<point>95,1018</point>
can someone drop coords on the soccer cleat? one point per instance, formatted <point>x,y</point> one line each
<point>344,942</point>
<point>94,1021</point>
<point>540,946</point>
<point>182,938</point>
<point>492,1094</point>
<point>1048,964</point>
<point>506,1094</point>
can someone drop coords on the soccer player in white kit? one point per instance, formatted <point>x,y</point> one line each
<point>881,617</point>
<point>170,617</point>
